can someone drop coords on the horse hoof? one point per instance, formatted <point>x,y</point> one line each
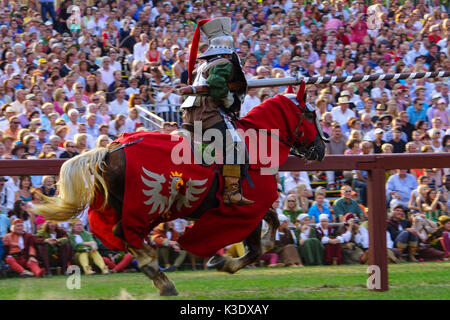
<point>168,291</point>
<point>216,261</point>
<point>148,271</point>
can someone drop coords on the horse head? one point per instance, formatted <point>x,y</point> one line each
<point>309,138</point>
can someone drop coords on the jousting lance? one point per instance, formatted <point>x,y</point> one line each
<point>281,82</point>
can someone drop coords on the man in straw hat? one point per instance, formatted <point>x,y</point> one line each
<point>342,113</point>
<point>221,66</point>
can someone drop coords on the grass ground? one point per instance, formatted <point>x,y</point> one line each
<point>407,281</point>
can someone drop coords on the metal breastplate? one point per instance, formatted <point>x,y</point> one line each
<point>194,101</point>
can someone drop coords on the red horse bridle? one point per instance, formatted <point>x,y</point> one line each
<point>309,113</point>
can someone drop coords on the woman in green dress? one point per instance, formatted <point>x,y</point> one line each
<point>310,248</point>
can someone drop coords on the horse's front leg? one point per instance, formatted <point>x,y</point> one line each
<point>148,263</point>
<point>232,265</point>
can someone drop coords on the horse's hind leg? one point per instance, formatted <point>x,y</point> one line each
<point>148,263</point>
<point>146,255</point>
<point>147,260</point>
<point>255,245</point>
<point>232,265</point>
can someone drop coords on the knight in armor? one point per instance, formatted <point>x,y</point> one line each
<point>221,66</point>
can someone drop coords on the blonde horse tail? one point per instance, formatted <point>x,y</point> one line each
<point>76,186</point>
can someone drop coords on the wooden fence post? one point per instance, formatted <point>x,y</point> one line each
<point>376,197</point>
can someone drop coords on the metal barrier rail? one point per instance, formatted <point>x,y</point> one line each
<point>152,121</point>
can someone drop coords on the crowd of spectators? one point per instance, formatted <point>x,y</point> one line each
<point>73,72</point>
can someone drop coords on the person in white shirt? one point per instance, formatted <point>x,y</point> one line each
<point>115,64</point>
<point>9,71</point>
<point>17,105</point>
<point>107,71</point>
<point>415,16</point>
<point>120,105</point>
<point>376,92</point>
<point>342,113</point>
<point>96,25</point>
<point>140,49</point>
<point>133,87</point>
<point>6,196</point>
<point>90,140</point>
<point>443,43</point>
<point>156,11</point>
<point>416,51</point>
<point>117,126</point>
<point>54,142</point>
<point>167,103</point>
<point>251,100</point>
<point>361,238</point>
<point>294,178</point>
<point>73,123</point>
<point>132,120</point>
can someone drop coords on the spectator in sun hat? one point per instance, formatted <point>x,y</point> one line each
<point>380,109</point>
<point>342,112</point>
<point>169,126</point>
<point>19,150</point>
<point>174,50</point>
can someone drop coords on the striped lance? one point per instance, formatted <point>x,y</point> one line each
<point>281,82</point>
<point>274,82</point>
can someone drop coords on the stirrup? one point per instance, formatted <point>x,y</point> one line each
<point>227,199</point>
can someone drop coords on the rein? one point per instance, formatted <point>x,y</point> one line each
<point>125,145</point>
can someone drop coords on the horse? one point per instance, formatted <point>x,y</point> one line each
<point>128,195</point>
